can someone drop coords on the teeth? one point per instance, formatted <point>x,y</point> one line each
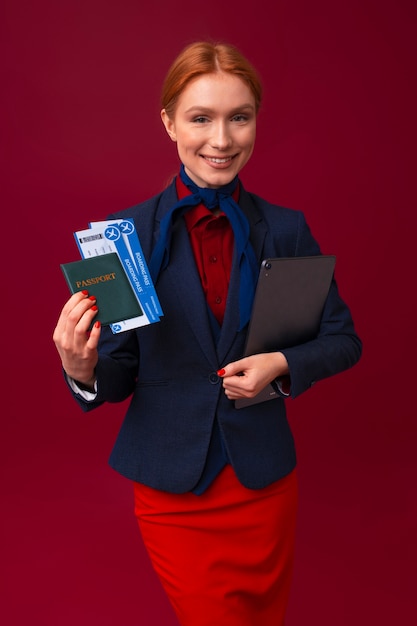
<point>214,160</point>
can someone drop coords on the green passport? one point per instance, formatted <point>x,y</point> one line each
<point>103,276</point>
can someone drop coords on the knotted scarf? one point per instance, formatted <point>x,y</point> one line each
<point>212,198</point>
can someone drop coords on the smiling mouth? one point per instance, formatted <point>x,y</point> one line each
<point>219,160</point>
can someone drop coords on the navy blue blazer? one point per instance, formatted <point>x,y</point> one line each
<point>169,368</point>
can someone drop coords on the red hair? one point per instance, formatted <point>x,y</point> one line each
<point>203,57</point>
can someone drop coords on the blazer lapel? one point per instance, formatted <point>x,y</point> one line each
<point>258,230</point>
<point>185,282</point>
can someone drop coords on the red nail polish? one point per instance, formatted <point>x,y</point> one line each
<point>92,298</point>
<point>97,324</point>
<point>94,308</point>
<point>85,292</point>
<point>221,372</point>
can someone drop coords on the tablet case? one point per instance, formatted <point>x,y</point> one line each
<point>287,308</point>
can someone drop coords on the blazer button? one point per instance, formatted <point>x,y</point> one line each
<point>213,378</point>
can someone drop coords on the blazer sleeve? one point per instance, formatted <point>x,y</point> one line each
<point>337,347</point>
<point>116,369</point>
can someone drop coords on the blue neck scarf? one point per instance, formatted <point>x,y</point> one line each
<point>212,198</point>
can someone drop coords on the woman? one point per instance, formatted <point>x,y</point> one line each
<point>215,487</point>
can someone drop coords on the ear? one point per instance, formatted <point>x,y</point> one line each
<point>169,125</point>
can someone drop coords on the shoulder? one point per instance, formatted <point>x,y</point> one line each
<point>147,215</point>
<point>285,230</point>
<point>269,211</point>
<point>151,206</point>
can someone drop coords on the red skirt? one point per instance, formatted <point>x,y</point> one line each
<point>224,558</point>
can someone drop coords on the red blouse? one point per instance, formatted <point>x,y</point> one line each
<point>212,242</point>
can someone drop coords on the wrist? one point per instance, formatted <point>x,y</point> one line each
<point>87,384</point>
<point>282,368</point>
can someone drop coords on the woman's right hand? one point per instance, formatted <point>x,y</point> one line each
<point>76,345</point>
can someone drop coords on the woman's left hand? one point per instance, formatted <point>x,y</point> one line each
<point>248,376</point>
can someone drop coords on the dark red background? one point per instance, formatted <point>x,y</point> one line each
<point>81,137</point>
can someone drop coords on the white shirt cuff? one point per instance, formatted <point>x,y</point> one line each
<point>86,395</point>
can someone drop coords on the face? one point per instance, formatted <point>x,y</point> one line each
<point>214,126</point>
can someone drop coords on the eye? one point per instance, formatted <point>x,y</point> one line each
<point>200,119</point>
<point>240,118</point>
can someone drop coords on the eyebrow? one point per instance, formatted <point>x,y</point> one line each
<point>203,109</point>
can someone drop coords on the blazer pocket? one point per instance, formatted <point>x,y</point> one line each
<point>152,383</point>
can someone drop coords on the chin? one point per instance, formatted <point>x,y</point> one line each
<point>218,179</point>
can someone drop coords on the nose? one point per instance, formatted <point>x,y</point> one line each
<point>221,138</point>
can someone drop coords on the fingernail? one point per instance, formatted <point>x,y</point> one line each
<point>85,292</point>
<point>221,372</point>
<point>92,298</point>
<point>97,324</point>
<point>94,308</point>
